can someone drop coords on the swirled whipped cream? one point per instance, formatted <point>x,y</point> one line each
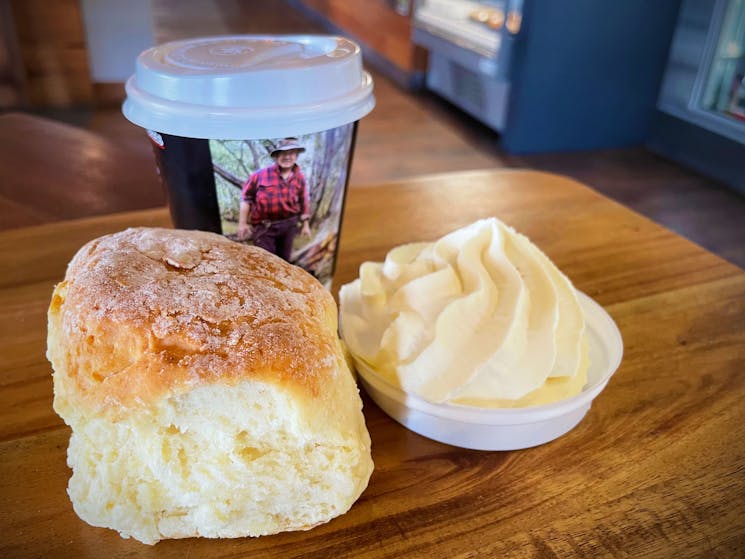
<point>480,317</point>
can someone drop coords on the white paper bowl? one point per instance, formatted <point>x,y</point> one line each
<point>508,428</point>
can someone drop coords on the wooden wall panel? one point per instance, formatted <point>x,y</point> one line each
<point>51,39</point>
<point>12,77</point>
<point>376,24</point>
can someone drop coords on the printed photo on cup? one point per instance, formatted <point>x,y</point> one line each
<point>286,195</point>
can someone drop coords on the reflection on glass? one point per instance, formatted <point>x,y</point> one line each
<point>724,92</point>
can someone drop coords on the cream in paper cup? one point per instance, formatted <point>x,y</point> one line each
<point>219,112</point>
<point>477,339</point>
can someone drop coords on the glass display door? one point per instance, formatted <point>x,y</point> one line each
<point>724,89</point>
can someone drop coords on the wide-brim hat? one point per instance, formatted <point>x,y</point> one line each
<point>287,145</point>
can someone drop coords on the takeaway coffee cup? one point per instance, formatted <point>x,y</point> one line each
<point>254,136</point>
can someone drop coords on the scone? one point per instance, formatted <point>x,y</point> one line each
<point>206,389</point>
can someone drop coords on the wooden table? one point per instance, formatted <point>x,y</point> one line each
<point>656,468</point>
<point>50,171</point>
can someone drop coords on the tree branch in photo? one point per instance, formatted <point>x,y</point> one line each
<point>228,176</point>
<point>256,163</point>
<point>237,157</point>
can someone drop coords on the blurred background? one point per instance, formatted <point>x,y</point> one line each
<point>642,101</point>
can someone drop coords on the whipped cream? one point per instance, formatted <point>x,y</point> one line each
<point>480,317</point>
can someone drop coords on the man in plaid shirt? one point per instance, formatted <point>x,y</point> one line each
<point>274,199</point>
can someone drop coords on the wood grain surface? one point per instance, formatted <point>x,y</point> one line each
<point>656,468</point>
<point>50,171</point>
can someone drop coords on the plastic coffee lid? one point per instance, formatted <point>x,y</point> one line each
<point>249,86</point>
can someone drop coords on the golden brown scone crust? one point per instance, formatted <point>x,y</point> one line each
<point>147,313</point>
